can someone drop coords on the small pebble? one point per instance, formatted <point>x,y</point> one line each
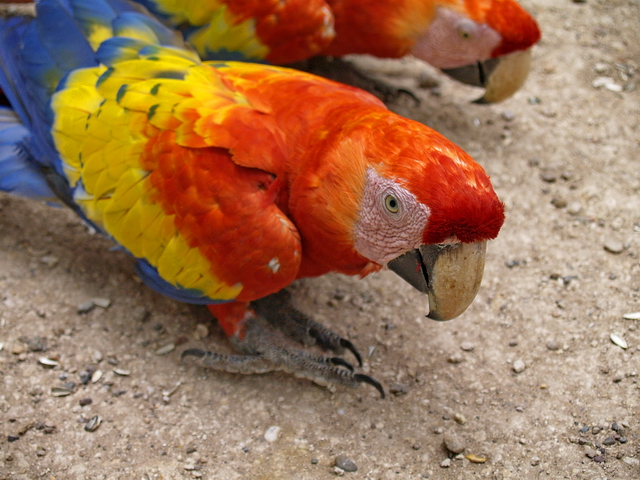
<point>168,348</point>
<point>613,246</point>
<point>85,307</point>
<point>454,443</point>
<point>446,463</point>
<point>85,401</point>
<point>49,260</point>
<point>508,116</point>
<point>455,358</point>
<point>93,424</point>
<point>590,452</point>
<point>548,177</point>
<point>584,429</point>
<point>314,461</point>
<point>619,341</point>
<point>272,433</point>
<point>345,463</point>
<point>609,441</point>
<point>558,202</point>
<point>535,461</point>
<point>632,316</point>
<point>338,472</point>
<point>121,372</point>
<point>467,346</point>
<point>553,345</point>
<point>475,458</point>
<point>41,452</point>
<point>574,208</point>
<point>97,356</point>
<point>622,440</point>
<point>519,366</point>
<point>47,362</point>
<point>60,392</point>
<point>598,459</point>
<point>601,67</point>
<point>101,302</point>
<point>459,418</point>
<point>615,427</point>
<point>201,331</point>
<point>96,376</point>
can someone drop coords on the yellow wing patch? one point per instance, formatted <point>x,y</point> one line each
<point>101,129</point>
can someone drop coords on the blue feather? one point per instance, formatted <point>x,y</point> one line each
<point>20,174</point>
<point>152,279</point>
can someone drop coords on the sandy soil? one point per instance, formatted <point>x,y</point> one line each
<point>563,155</point>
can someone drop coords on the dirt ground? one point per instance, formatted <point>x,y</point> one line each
<point>563,156</point>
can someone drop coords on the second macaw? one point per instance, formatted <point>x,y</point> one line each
<point>481,42</point>
<point>227,181</point>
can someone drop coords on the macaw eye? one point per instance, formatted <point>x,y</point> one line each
<point>465,30</point>
<point>392,204</point>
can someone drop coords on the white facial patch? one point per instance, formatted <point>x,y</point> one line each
<point>391,221</point>
<point>453,41</point>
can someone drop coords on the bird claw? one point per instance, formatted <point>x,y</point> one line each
<point>263,349</point>
<point>362,378</point>
<point>279,312</point>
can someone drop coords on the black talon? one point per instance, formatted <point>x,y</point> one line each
<point>343,363</point>
<point>359,377</point>
<point>193,352</point>
<point>349,346</point>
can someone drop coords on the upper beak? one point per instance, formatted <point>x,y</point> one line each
<point>449,274</point>
<point>501,77</point>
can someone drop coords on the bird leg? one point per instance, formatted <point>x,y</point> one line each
<point>264,346</point>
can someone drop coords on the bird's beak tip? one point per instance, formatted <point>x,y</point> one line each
<point>501,77</point>
<point>449,274</point>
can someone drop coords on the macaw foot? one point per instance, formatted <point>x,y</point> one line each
<point>344,71</point>
<point>266,348</point>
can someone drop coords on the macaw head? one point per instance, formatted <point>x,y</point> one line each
<point>482,43</point>
<point>405,197</point>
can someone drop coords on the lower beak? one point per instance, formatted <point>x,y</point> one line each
<point>501,77</point>
<point>449,274</point>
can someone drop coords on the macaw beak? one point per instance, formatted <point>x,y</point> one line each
<point>450,274</point>
<point>501,77</point>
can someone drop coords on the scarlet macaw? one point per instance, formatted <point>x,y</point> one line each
<point>227,181</point>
